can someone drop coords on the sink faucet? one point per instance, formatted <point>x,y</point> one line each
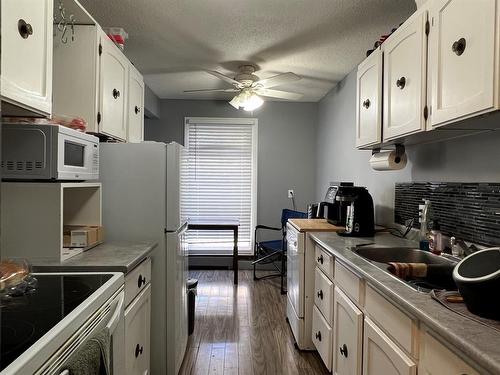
<point>460,249</point>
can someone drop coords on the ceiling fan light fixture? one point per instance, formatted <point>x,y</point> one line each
<point>253,102</point>
<point>247,100</point>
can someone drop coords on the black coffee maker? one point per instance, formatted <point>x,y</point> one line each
<point>331,208</point>
<point>358,204</point>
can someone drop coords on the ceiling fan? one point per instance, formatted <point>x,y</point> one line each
<point>250,88</point>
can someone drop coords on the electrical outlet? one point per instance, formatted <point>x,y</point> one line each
<point>290,193</point>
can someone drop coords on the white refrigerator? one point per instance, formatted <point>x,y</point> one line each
<point>141,201</point>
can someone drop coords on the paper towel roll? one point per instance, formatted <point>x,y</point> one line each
<point>387,161</point>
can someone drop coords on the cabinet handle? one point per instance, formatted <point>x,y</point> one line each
<point>137,110</point>
<point>318,336</point>
<point>24,28</point>
<point>367,103</point>
<point>138,350</point>
<point>116,93</point>
<point>320,294</point>
<point>343,350</point>
<point>401,83</point>
<point>459,46</point>
<point>141,281</point>
<point>320,259</point>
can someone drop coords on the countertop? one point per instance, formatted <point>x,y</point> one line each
<point>478,342</point>
<point>112,256</point>
<point>316,225</point>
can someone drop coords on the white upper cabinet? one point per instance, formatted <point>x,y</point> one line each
<point>99,93</point>
<point>26,61</point>
<point>382,356</point>
<point>369,101</point>
<point>405,64</point>
<point>112,90</point>
<point>462,47</point>
<point>135,106</point>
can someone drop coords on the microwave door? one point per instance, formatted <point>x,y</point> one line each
<point>77,159</point>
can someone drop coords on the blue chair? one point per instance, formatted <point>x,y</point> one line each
<point>270,252</point>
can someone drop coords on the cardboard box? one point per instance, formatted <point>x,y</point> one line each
<point>82,235</point>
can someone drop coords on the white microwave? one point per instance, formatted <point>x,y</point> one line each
<point>48,152</point>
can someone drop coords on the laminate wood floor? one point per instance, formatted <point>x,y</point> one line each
<point>242,330</point>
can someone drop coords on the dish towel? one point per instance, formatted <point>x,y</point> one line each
<point>93,358</point>
<point>407,270</point>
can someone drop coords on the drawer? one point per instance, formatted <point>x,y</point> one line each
<point>323,295</point>
<point>136,280</point>
<point>325,261</point>
<point>437,359</point>
<point>322,337</point>
<point>350,283</point>
<point>393,321</point>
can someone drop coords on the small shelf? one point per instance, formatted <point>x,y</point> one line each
<point>33,216</point>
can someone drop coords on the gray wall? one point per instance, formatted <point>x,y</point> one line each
<point>286,156</point>
<point>151,104</point>
<point>470,159</point>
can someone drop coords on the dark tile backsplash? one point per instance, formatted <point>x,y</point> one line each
<point>468,211</point>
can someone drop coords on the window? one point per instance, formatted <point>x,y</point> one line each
<point>219,179</point>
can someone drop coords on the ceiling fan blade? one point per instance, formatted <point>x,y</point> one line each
<point>279,94</point>
<point>224,78</point>
<point>280,79</point>
<point>213,90</point>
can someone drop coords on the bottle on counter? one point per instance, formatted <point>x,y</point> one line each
<point>436,244</point>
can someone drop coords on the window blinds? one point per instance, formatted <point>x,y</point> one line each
<point>219,181</point>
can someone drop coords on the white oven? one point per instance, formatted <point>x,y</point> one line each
<point>48,152</point>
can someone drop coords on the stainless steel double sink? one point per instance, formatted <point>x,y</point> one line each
<point>442,266</point>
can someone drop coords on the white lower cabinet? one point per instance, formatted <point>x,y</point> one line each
<point>347,336</point>
<point>382,356</point>
<point>322,337</point>
<point>436,359</point>
<point>137,334</point>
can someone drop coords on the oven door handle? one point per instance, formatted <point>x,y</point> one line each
<point>113,322</point>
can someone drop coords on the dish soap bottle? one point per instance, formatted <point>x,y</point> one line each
<point>436,239</point>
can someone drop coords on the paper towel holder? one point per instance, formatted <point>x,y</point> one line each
<point>399,148</point>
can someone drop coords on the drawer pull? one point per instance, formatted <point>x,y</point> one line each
<point>343,350</point>
<point>459,46</point>
<point>366,103</point>
<point>24,28</point>
<point>141,281</point>
<point>401,83</point>
<point>318,336</point>
<point>320,259</point>
<point>116,93</point>
<point>320,294</point>
<point>138,350</point>
<point>137,110</point>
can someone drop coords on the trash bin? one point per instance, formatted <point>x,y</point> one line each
<point>191,290</point>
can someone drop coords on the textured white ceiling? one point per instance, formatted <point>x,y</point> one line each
<point>173,41</point>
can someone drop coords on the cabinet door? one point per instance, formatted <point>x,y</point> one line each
<point>135,127</point>
<point>348,336</point>
<point>369,101</point>
<point>405,64</point>
<point>137,334</point>
<point>26,45</point>
<point>461,55</point>
<point>382,356</point>
<point>113,90</point>
<point>322,337</point>
<point>436,359</point>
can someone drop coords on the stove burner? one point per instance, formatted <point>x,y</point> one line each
<point>15,334</point>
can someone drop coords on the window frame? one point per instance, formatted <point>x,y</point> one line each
<point>229,121</point>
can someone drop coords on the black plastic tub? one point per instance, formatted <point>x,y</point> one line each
<point>478,280</point>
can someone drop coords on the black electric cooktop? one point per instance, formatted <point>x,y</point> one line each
<point>26,318</point>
